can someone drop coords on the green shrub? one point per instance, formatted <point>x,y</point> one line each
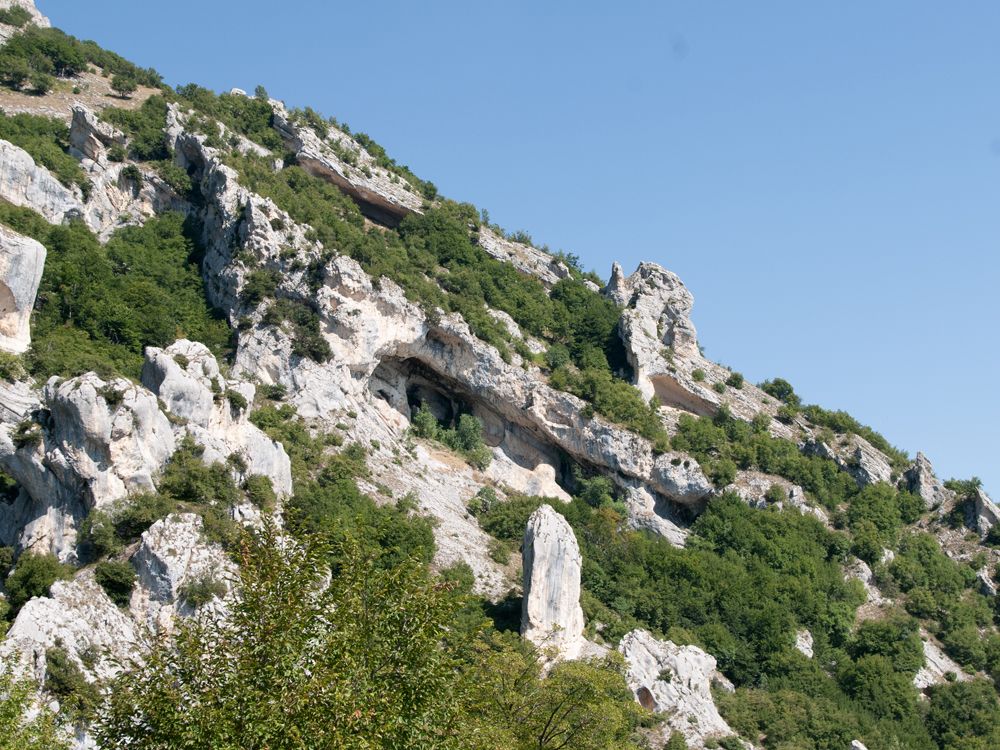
<point>198,592</point>
<point>260,491</point>
<point>64,680</point>
<point>117,579</point>
<point>698,375</point>
<point>98,306</point>
<point>735,380</point>
<point>236,400</point>
<point>15,16</point>
<point>782,390</point>
<point>33,575</point>
<point>123,85</point>
<point>466,438</point>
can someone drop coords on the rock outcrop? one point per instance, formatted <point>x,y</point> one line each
<point>938,668</point>
<point>551,616</point>
<point>675,682</point>
<point>22,261</point>
<point>92,442</point>
<point>214,411</point>
<point>920,479</point>
<point>172,553</point>
<point>985,513</point>
<point>26,184</point>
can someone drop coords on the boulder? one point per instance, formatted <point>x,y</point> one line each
<point>551,616</point>
<point>676,682</point>
<point>22,261</point>
<point>804,643</point>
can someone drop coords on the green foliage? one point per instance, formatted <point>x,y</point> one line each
<point>144,127</point>
<point>615,399</point>
<point>583,705</point>
<point>123,85</point>
<point>735,380</point>
<point>15,15</point>
<point>698,375</point>
<point>466,438</point>
<point>50,51</point>
<point>782,390</point>
<point>248,116</point>
<point>747,446</point>
<point>380,673</point>
<point>260,491</point>
<point>47,141</point>
<point>964,716</point>
<point>117,579</point>
<point>64,680</point>
<point>99,306</point>
<point>32,576</point>
<point>199,591</point>
<point>22,728</point>
<point>307,340</point>
<point>105,532</point>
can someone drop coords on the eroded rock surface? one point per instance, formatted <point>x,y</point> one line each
<point>551,616</point>
<point>676,682</point>
<point>22,261</point>
<point>214,411</point>
<point>921,480</point>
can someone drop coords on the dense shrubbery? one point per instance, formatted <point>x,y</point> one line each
<point>117,578</point>
<point>838,421</point>
<point>144,128</point>
<point>386,668</point>
<point>99,306</point>
<point>249,116</point>
<point>47,140</point>
<point>37,54</point>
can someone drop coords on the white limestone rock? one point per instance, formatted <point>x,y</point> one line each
<point>22,261</point>
<point>804,643</point>
<point>551,616</point>
<point>524,258</point>
<point>938,666</point>
<point>94,442</point>
<point>920,479</point>
<point>89,138</point>
<point>172,553</point>
<point>186,378</point>
<point>985,513</point>
<point>676,682</point>
<point>26,184</point>
<point>79,617</point>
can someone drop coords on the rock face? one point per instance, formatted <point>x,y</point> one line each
<point>804,643</point>
<point>89,138</point>
<point>920,480</point>
<point>985,513</point>
<point>172,553</point>
<point>938,667</point>
<point>214,411</point>
<point>91,443</point>
<point>79,617</point>
<point>24,183</point>
<point>379,195</point>
<point>22,261</point>
<point>524,258</point>
<point>675,681</point>
<point>551,616</point>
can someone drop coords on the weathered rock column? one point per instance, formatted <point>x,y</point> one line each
<point>551,616</point>
<point>22,261</point>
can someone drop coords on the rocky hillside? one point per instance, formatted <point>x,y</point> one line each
<point>267,397</point>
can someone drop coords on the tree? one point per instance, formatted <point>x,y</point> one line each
<point>17,730</point>
<point>123,85</point>
<point>584,705</point>
<point>296,663</point>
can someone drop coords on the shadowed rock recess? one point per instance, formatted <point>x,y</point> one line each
<point>340,355</point>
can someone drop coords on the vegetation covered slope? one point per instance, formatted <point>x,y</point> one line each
<point>749,580</point>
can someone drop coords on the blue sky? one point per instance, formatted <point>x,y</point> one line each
<point>825,177</point>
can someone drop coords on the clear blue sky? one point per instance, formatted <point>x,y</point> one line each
<point>825,177</point>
